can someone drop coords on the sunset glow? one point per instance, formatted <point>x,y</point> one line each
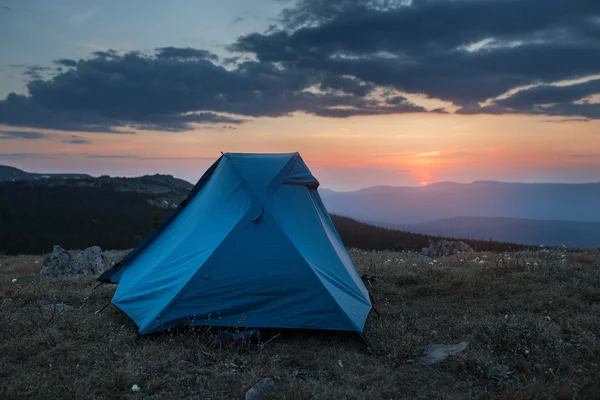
<point>95,112</point>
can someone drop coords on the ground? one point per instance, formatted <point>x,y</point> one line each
<point>532,321</point>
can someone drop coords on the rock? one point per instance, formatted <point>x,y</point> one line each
<point>424,258</point>
<point>444,248</point>
<point>262,388</point>
<point>60,263</point>
<point>193,397</point>
<point>115,256</point>
<point>436,353</point>
<point>91,261</point>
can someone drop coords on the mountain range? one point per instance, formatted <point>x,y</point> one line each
<point>527,213</point>
<point>549,214</point>
<point>12,174</point>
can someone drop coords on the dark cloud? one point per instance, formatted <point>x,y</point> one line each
<point>20,156</point>
<point>550,94</point>
<point>65,62</point>
<point>336,58</point>
<point>346,85</point>
<point>584,110</point>
<point>563,120</point>
<point>461,51</point>
<point>184,53</point>
<point>174,89</point>
<point>35,71</point>
<point>74,139</point>
<point>21,135</point>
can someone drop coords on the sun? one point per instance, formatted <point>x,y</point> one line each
<point>423,183</point>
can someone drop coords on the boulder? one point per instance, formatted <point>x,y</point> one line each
<point>91,261</point>
<point>61,263</point>
<point>424,258</point>
<point>443,248</point>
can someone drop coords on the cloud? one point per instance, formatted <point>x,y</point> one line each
<point>175,89</point>
<point>35,71</point>
<point>184,53</point>
<point>75,139</point>
<point>336,59</point>
<point>461,51</point>
<point>65,62</point>
<point>29,135</point>
<point>568,120</point>
<point>429,154</point>
<point>110,156</point>
<point>20,156</point>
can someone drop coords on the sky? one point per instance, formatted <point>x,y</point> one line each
<point>370,92</point>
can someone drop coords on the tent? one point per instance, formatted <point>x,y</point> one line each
<point>251,246</point>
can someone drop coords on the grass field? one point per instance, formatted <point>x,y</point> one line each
<point>532,320</point>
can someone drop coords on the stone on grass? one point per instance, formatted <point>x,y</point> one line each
<point>436,353</point>
<point>444,248</point>
<point>262,388</point>
<point>424,258</point>
<point>91,261</point>
<point>61,263</point>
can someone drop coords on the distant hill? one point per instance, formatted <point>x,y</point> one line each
<point>117,213</point>
<point>114,213</point>
<point>524,231</point>
<point>163,191</point>
<point>413,205</point>
<point>12,174</point>
<point>550,214</point>
<point>34,218</point>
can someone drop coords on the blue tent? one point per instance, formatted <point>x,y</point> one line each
<point>251,246</point>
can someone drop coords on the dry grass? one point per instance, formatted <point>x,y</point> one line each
<point>532,321</point>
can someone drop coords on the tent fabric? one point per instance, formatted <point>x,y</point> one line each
<point>251,246</point>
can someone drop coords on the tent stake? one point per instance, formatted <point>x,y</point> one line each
<point>99,311</point>
<point>366,342</point>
